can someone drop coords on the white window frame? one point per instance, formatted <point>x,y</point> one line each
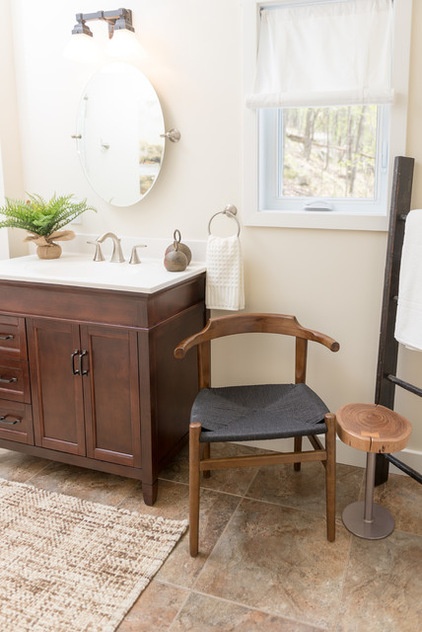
<point>340,220</point>
<point>270,166</point>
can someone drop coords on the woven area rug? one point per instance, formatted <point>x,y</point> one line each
<point>70,565</point>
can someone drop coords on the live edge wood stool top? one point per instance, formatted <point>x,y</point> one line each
<point>372,428</point>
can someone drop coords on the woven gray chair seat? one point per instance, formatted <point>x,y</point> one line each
<point>262,411</point>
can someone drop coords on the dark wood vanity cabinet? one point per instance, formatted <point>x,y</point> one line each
<point>88,377</point>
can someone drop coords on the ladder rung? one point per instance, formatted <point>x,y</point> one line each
<point>408,387</point>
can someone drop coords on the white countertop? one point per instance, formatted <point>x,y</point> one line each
<point>78,269</point>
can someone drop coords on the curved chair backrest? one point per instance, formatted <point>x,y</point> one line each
<point>252,323</point>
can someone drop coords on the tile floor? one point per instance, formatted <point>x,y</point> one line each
<point>264,561</point>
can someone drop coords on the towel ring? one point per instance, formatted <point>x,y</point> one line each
<point>231,211</point>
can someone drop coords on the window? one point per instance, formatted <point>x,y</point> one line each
<point>326,158</point>
<point>322,126</point>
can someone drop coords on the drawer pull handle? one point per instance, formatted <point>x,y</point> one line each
<point>11,422</point>
<point>75,371</point>
<point>82,371</point>
<point>8,380</point>
<point>6,337</point>
<point>79,368</point>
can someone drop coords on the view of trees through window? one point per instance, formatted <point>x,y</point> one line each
<point>329,152</point>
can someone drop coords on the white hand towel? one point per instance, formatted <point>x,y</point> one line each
<point>224,285</point>
<point>408,330</point>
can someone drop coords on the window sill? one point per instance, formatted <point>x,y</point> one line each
<point>327,220</point>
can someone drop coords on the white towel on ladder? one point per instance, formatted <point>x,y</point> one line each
<point>408,330</point>
<point>224,285</point>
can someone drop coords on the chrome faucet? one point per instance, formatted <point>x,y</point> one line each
<point>117,254</point>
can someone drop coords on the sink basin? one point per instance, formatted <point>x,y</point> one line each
<point>79,269</point>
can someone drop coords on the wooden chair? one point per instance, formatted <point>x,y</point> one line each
<point>255,412</point>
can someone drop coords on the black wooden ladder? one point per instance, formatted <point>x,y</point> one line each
<point>387,380</point>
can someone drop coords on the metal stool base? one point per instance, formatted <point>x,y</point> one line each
<point>381,525</point>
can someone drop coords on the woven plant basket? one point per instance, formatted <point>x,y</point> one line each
<point>46,247</point>
<point>50,251</point>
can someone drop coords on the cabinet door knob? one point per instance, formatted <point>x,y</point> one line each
<point>6,337</point>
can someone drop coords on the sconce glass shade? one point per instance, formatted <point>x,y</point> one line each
<point>81,48</point>
<point>125,46</point>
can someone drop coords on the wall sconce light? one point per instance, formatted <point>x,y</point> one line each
<point>122,42</point>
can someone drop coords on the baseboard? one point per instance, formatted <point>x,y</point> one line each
<point>348,455</point>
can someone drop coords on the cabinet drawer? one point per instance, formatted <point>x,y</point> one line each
<point>16,422</point>
<point>14,380</point>
<point>12,337</point>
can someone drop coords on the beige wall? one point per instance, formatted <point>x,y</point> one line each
<point>10,164</point>
<point>332,280</point>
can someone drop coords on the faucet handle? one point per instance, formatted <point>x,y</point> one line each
<point>98,256</point>
<point>134,258</point>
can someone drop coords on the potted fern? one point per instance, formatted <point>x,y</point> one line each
<point>44,220</point>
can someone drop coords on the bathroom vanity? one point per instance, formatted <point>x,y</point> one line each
<point>87,373</point>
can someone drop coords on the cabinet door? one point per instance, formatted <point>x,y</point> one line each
<point>110,379</point>
<point>56,386</point>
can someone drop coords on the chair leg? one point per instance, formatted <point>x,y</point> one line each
<point>297,448</point>
<point>206,455</point>
<point>330,476</point>
<point>194,488</point>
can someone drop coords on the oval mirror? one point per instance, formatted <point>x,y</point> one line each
<point>119,128</point>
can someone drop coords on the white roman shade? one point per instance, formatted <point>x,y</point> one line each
<point>328,52</point>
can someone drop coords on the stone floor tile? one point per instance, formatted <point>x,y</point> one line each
<point>215,513</point>
<point>100,487</point>
<point>19,467</point>
<point>403,497</point>
<point>202,613</point>
<point>278,560</point>
<point>383,585</point>
<point>281,485</point>
<point>172,501</point>
<point>155,609</point>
